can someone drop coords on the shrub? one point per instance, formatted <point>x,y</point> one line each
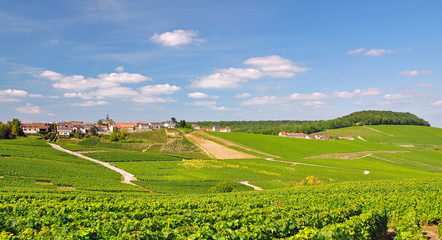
<point>221,188</point>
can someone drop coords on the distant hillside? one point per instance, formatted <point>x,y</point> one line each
<point>355,119</point>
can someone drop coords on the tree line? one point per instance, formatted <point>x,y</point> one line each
<point>12,130</point>
<point>371,117</point>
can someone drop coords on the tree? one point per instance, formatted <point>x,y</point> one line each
<point>93,131</point>
<point>16,129</point>
<point>100,122</point>
<point>5,131</point>
<point>173,120</point>
<point>181,124</point>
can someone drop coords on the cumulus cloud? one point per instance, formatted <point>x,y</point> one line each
<point>110,85</point>
<point>242,95</point>
<point>176,38</point>
<point>199,95</point>
<point>226,78</point>
<point>377,52</point>
<point>262,100</point>
<point>28,108</point>
<point>270,66</point>
<point>275,66</point>
<point>356,51</point>
<point>370,52</point>
<point>397,96</point>
<point>79,82</point>
<point>12,95</point>
<point>336,94</point>
<point>119,69</point>
<point>411,73</point>
<point>437,103</point>
<point>90,103</point>
<point>152,100</point>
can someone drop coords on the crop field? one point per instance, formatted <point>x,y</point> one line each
<point>131,156</point>
<point>360,210</point>
<point>292,148</point>
<point>365,188</point>
<point>29,163</point>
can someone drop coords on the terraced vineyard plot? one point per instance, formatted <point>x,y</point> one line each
<point>291,148</point>
<point>41,163</point>
<point>132,156</point>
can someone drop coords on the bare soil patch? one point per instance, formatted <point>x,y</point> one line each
<point>66,188</point>
<point>216,150</point>
<point>229,143</point>
<point>408,146</point>
<point>250,185</point>
<point>1,177</point>
<point>351,155</point>
<point>43,182</point>
<point>430,232</point>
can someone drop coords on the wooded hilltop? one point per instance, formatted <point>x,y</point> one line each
<point>370,117</point>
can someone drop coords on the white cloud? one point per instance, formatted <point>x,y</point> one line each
<point>152,100</point>
<point>414,73</point>
<point>309,96</point>
<point>275,66</point>
<point>202,103</point>
<point>357,103</point>
<point>176,38</point>
<point>226,78</point>
<point>271,66</point>
<point>263,100</point>
<point>200,95</point>
<point>36,95</point>
<point>114,92</point>
<point>28,108</point>
<point>437,103</point>
<point>90,103</point>
<point>215,108</point>
<point>159,89</point>
<point>370,52</point>
<point>119,69</point>
<point>79,82</point>
<point>377,52</point>
<point>397,96</point>
<point>336,94</point>
<point>12,95</point>
<point>242,95</point>
<point>356,51</point>
<point>313,103</point>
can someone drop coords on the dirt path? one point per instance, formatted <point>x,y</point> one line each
<point>229,143</point>
<point>308,164</point>
<point>127,177</point>
<point>250,185</point>
<point>391,135</point>
<point>216,150</point>
<point>362,138</point>
<point>351,155</point>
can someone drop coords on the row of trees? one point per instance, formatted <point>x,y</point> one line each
<point>355,119</point>
<point>8,131</point>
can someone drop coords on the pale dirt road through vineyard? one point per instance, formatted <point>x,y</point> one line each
<point>217,150</point>
<point>127,177</point>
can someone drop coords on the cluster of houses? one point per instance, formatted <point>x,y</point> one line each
<point>306,136</point>
<point>213,129</point>
<point>105,126</point>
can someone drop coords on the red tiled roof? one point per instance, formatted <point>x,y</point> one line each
<point>34,125</point>
<point>124,125</point>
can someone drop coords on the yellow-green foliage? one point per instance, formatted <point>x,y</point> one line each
<point>310,181</point>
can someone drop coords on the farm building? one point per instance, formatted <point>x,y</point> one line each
<point>64,131</point>
<point>33,128</point>
<point>196,127</point>
<point>226,129</point>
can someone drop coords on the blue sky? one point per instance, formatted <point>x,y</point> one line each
<point>218,60</point>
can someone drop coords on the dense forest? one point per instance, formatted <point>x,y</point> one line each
<point>355,119</point>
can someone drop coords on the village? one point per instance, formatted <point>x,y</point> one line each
<point>67,129</point>
<point>306,136</point>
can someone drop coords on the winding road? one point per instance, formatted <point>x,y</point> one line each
<point>127,177</point>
